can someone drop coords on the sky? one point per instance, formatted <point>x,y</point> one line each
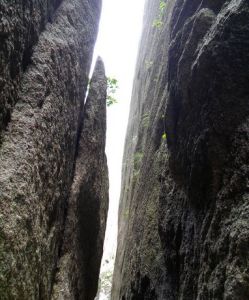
<point>119,35</point>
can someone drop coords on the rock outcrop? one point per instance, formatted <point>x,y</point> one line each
<point>184,208</point>
<point>46,51</point>
<point>88,203</point>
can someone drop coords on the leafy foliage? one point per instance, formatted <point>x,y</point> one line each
<point>162,5</point>
<point>158,22</point>
<point>164,136</point>
<point>112,86</point>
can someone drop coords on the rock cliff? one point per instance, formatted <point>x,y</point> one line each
<point>46,51</point>
<point>184,207</point>
<point>88,203</point>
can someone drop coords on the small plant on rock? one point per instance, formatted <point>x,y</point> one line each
<point>145,120</point>
<point>137,160</point>
<point>138,156</point>
<point>158,22</point>
<point>112,86</point>
<point>164,136</point>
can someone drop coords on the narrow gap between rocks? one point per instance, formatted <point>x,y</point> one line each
<point>117,44</point>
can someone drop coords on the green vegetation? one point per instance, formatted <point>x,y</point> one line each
<point>138,156</point>
<point>112,86</point>
<point>158,22</point>
<point>145,120</point>
<point>135,176</point>
<point>137,160</point>
<point>162,6</point>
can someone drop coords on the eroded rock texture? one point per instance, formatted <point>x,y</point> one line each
<point>45,55</point>
<point>88,203</point>
<point>20,26</point>
<point>184,209</point>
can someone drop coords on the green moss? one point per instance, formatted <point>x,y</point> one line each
<point>145,120</point>
<point>137,159</point>
<point>164,136</point>
<point>135,176</point>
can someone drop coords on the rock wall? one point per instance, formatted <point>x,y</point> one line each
<point>88,203</point>
<point>183,217</point>
<point>20,26</point>
<point>45,56</point>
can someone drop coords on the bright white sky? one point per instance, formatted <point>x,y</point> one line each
<point>117,44</point>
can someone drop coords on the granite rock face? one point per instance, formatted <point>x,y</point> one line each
<point>184,208</point>
<point>20,26</point>
<point>88,203</point>
<point>45,56</point>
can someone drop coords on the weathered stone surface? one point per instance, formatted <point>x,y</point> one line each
<point>46,76</point>
<point>20,26</point>
<point>204,224</point>
<point>139,266</point>
<point>183,223</point>
<point>88,203</point>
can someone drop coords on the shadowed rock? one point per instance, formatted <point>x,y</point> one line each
<point>88,203</point>
<point>45,56</point>
<point>184,208</point>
